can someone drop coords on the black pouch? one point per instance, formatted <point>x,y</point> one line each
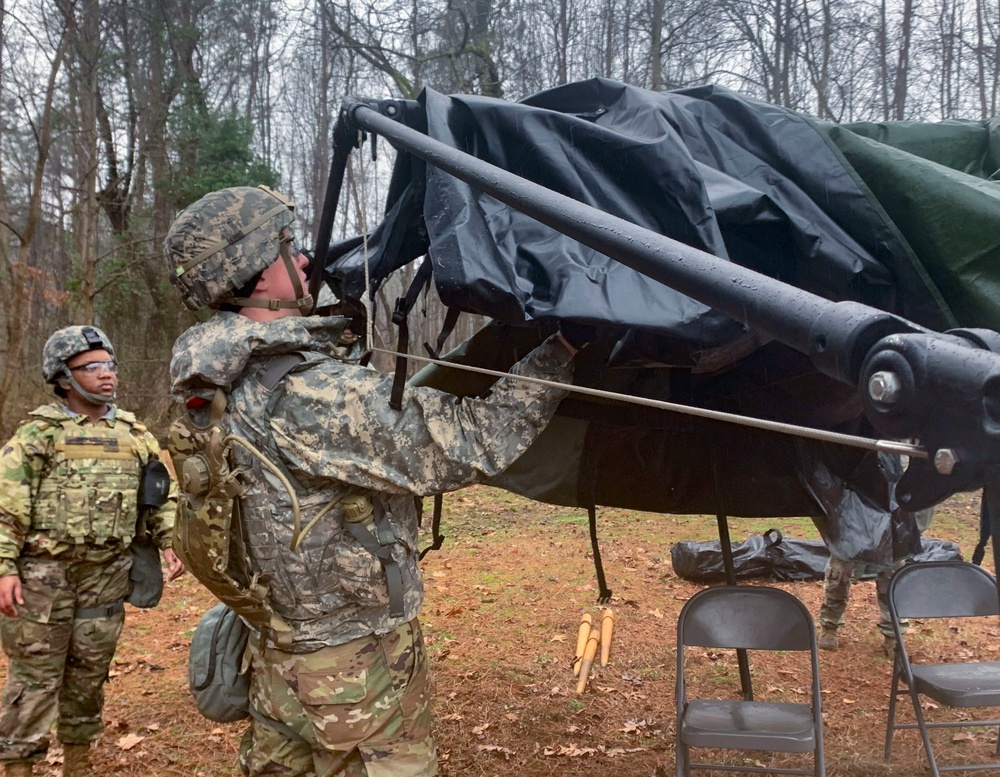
<point>146,574</point>
<point>154,486</point>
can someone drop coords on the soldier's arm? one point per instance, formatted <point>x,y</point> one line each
<point>337,423</point>
<point>20,468</point>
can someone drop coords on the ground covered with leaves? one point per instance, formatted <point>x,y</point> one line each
<point>504,600</point>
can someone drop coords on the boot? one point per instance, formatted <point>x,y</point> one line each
<point>828,638</point>
<point>76,759</point>
<point>18,769</point>
<point>889,647</point>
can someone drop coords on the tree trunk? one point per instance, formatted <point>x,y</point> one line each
<point>900,85</point>
<point>656,45</point>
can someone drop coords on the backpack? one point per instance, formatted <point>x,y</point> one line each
<point>220,689</point>
<point>208,532</point>
<point>217,678</point>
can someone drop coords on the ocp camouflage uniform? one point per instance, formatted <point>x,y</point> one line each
<point>350,678</point>
<point>837,583</point>
<point>68,492</point>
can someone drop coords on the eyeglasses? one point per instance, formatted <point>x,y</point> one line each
<point>93,368</point>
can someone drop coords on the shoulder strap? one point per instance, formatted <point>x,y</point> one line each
<point>128,417</point>
<point>278,367</point>
<point>275,371</point>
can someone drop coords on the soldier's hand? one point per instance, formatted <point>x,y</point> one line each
<point>175,567</point>
<point>10,594</point>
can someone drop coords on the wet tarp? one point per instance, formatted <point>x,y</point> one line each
<point>881,214</point>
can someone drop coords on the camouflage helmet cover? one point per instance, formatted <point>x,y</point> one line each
<point>220,242</point>
<point>66,343</point>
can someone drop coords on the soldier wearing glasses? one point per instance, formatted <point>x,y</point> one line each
<point>69,483</point>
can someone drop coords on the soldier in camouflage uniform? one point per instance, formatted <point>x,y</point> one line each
<point>348,676</point>
<point>68,500</point>
<point>837,582</point>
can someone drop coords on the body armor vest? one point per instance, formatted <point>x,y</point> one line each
<point>87,493</point>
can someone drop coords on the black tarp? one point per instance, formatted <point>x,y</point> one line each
<point>749,182</point>
<point>772,556</point>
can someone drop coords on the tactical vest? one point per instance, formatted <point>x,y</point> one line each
<point>87,493</point>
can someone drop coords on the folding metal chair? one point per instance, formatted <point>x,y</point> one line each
<point>753,618</point>
<point>942,589</point>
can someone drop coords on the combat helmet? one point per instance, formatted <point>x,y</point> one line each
<point>219,243</point>
<point>63,345</point>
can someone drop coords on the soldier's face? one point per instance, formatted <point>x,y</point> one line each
<point>275,282</point>
<point>96,372</point>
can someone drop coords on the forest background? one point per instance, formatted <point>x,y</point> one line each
<point>114,114</point>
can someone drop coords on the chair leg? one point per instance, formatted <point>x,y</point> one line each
<point>922,725</point>
<point>682,758</point>
<point>889,731</point>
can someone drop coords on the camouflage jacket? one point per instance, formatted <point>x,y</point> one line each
<point>332,430</point>
<point>33,470</point>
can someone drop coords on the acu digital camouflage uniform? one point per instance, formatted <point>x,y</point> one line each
<point>68,492</point>
<point>350,678</point>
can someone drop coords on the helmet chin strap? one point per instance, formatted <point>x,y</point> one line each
<point>303,302</point>
<point>97,399</point>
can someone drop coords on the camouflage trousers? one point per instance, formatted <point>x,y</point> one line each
<point>837,591</point>
<point>361,709</point>
<point>57,661</point>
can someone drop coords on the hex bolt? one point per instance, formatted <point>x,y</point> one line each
<point>945,460</point>
<point>884,387</point>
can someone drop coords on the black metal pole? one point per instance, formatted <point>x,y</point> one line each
<point>727,564</point>
<point>344,141</point>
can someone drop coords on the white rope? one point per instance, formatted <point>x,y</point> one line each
<point>886,446</point>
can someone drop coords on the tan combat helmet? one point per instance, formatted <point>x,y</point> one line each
<point>63,345</point>
<point>219,243</point>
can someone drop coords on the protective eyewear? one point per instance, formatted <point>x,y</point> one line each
<point>95,368</point>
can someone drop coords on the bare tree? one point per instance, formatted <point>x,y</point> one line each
<point>19,279</point>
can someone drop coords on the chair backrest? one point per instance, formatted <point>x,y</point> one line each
<point>943,589</point>
<point>748,617</point>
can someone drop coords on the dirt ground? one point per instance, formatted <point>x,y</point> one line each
<point>504,599</point>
